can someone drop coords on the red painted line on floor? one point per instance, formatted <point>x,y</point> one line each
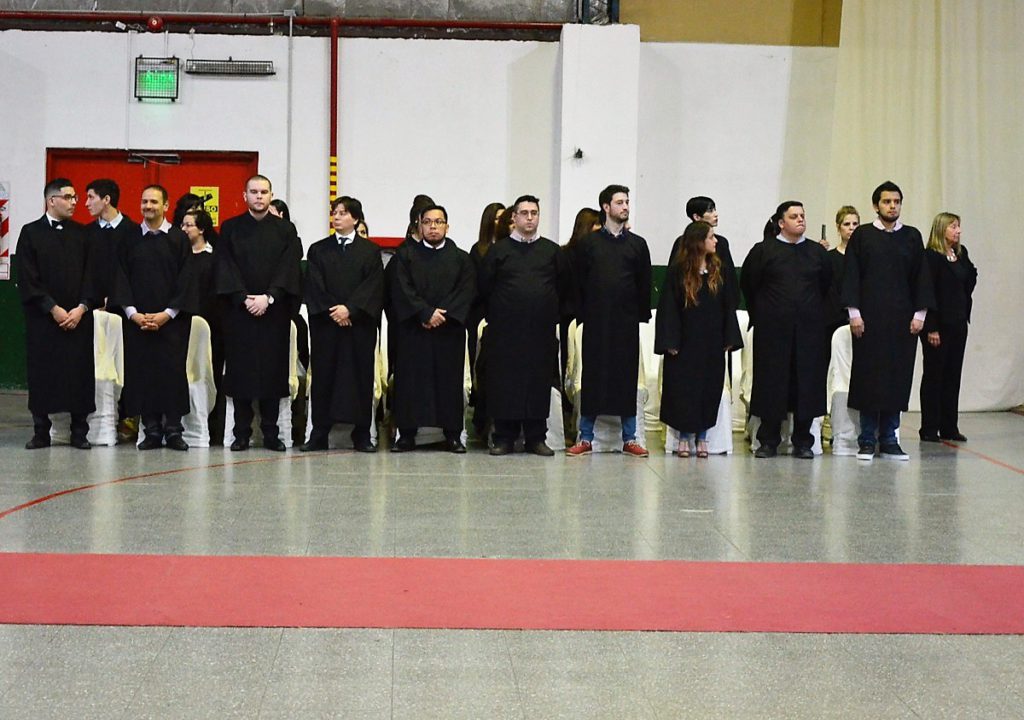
<point>156,473</point>
<point>983,456</point>
<point>220,591</point>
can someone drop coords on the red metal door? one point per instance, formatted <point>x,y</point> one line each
<point>223,173</point>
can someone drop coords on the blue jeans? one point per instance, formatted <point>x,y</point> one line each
<point>587,428</point>
<point>881,425</point>
<point>702,435</point>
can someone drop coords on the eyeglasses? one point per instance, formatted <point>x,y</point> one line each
<point>528,213</point>
<point>68,197</point>
<point>437,222</point>
<point>188,225</point>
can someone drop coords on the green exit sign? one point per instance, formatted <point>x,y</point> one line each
<point>156,78</point>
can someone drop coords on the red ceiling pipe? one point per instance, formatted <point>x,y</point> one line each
<point>251,19</point>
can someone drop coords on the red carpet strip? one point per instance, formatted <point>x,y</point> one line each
<point>219,591</point>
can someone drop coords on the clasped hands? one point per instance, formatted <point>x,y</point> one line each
<point>67,319</point>
<point>150,321</point>
<point>257,304</point>
<point>437,319</point>
<point>340,314</point>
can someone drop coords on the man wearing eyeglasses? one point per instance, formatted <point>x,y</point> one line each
<point>56,296</point>
<point>520,281</point>
<point>434,286</point>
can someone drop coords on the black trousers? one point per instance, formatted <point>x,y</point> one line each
<point>155,425</point>
<point>360,433</point>
<point>244,414</point>
<point>940,382</point>
<point>449,433</point>
<point>79,425</point>
<point>507,431</point>
<point>770,432</point>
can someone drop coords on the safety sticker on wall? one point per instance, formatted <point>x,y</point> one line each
<point>211,200</point>
<point>5,230</point>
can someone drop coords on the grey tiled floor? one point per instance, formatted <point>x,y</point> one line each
<point>943,506</point>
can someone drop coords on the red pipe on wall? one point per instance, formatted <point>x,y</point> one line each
<point>333,163</point>
<point>248,19</point>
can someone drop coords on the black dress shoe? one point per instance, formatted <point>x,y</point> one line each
<point>540,448</point>
<point>151,442</point>
<point>930,437</point>
<point>366,447</point>
<point>404,444</point>
<point>454,446</point>
<point>177,442</point>
<point>275,444</point>
<point>313,445</point>
<point>82,443</point>
<point>501,449</point>
<point>804,453</point>
<point>765,451</point>
<point>239,444</point>
<point>955,437</point>
<point>38,441</point>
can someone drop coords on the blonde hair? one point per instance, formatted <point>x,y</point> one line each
<point>844,211</point>
<point>937,239</point>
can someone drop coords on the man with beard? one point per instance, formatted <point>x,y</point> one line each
<point>887,289</point>
<point>344,295</point>
<point>152,286</point>
<point>51,263</point>
<point>433,288</point>
<point>520,282</point>
<point>258,274</point>
<point>613,272</point>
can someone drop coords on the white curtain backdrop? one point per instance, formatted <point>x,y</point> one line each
<point>929,95</point>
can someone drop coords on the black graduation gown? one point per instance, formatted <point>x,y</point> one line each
<point>103,257</point>
<point>837,315</point>
<point>202,275</point>
<point>257,257</point>
<point>693,378</point>
<point>52,267</point>
<point>430,364</point>
<point>887,279</point>
<point>154,272</point>
<point>786,286</point>
<point>613,275</point>
<point>343,357</point>
<point>520,285</point>
<point>954,284</point>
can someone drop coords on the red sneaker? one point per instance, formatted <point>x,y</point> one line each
<point>635,449</point>
<point>581,448</point>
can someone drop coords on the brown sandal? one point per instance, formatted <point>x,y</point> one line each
<point>702,449</point>
<point>683,452</point>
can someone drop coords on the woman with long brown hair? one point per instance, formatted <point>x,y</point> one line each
<point>693,329</point>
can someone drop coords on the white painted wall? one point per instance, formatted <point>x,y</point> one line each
<point>749,126</point>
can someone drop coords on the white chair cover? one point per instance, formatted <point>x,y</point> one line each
<point>284,417</point>
<point>202,391</point>
<point>108,353</point>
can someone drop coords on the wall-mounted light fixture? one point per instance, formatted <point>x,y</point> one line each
<point>156,78</point>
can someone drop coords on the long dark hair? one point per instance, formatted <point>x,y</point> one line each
<point>488,220</point>
<point>504,226</point>
<point>586,219</point>
<point>692,255</point>
<point>204,222</point>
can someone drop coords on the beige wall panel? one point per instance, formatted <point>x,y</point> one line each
<point>744,22</point>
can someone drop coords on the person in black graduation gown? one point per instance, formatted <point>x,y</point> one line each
<point>703,208</point>
<point>944,337</point>
<point>694,329</point>
<point>847,220</point>
<point>887,290</point>
<point>432,291</point>
<point>612,268</point>
<point>344,296</point>
<point>258,273</point>
<point>110,227</point>
<point>153,288</point>
<point>521,283</point>
<point>51,262</point>
<point>785,280</point>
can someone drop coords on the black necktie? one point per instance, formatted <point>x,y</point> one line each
<point>56,225</point>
